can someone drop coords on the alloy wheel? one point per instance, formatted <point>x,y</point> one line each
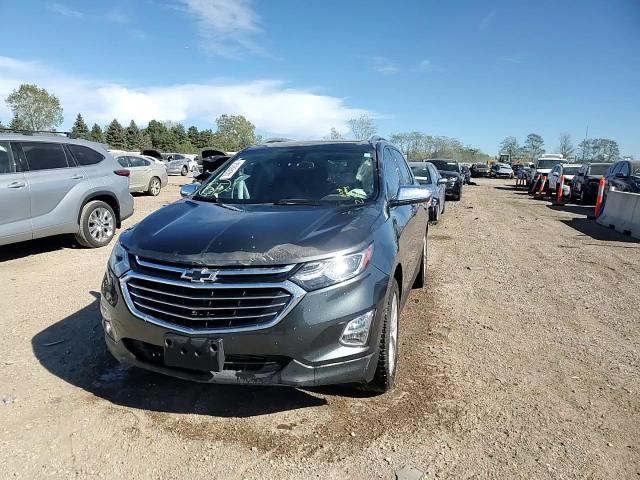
<point>155,187</point>
<point>101,224</point>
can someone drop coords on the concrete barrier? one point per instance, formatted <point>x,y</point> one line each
<point>622,212</point>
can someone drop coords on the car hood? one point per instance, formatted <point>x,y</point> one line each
<point>216,234</point>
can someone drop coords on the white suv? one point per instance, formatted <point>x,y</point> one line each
<point>51,185</point>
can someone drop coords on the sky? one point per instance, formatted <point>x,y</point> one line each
<point>477,71</point>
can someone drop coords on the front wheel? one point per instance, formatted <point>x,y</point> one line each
<point>385,376</point>
<point>97,225</point>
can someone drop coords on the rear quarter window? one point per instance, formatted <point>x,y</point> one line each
<point>85,155</point>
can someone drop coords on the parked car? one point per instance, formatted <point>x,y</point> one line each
<point>569,171</point>
<point>543,166</point>
<point>209,166</point>
<point>585,183</point>
<point>176,163</point>
<point>427,174</point>
<point>146,174</point>
<point>51,185</point>
<point>501,170</point>
<point>479,170</point>
<point>450,170</point>
<point>208,152</point>
<point>290,266</point>
<point>623,176</point>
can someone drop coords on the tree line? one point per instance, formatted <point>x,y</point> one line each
<point>36,109</point>
<point>588,150</point>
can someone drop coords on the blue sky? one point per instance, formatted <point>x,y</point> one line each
<point>478,71</point>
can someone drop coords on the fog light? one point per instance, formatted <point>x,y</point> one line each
<point>108,329</point>
<point>356,332</point>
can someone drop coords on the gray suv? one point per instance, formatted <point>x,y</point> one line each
<point>52,185</point>
<point>290,265</point>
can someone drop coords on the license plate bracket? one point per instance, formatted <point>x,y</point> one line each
<point>195,353</point>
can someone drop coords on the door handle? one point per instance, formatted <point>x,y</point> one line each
<point>77,176</point>
<point>17,185</point>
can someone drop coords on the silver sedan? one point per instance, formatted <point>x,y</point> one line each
<point>146,174</point>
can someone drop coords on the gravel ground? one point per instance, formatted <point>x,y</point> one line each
<point>519,360</point>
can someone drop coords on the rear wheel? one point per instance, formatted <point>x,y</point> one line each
<point>384,378</point>
<point>154,187</point>
<point>184,171</point>
<point>97,225</point>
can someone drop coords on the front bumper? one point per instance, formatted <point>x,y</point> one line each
<point>453,187</point>
<point>302,349</point>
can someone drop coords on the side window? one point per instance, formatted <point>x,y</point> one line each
<point>406,178</point>
<point>18,157</point>
<point>44,156</point>
<point>85,155</point>
<point>123,161</point>
<point>624,169</point>
<point>615,168</point>
<point>136,162</point>
<point>391,173</point>
<point>6,163</point>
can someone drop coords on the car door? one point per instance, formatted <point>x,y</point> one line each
<point>622,177</point>
<point>55,185</point>
<point>417,227</point>
<point>612,180</point>
<point>140,172</point>
<point>15,207</point>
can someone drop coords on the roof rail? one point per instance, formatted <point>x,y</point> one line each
<point>32,132</point>
<point>276,140</point>
<point>376,138</point>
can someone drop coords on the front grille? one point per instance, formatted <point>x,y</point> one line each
<point>200,306</point>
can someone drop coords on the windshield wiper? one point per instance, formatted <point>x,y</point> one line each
<point>295,201</point>
<point>206,199</point>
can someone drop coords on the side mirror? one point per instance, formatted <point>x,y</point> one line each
<point>442,181</point>
<point>189,189</point>
<point>409,195</point>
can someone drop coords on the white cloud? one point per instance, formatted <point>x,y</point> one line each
<point>65,11</point>
<point>383,65</point>
<point>117,15</point>
<point>426,66</point>
<point>226,27</point>
<point>487,20</point>
<point>269,104</point>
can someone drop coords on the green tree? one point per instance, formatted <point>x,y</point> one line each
<point>17,124</point>
<point>180,137</point>
<point>160,136</point>
<point>362,127</point>
<point>565,146</point>
<point>206,138</point>
<point>234,133</point>
<point>194,135</point>
<point>114,135</point>
<point>36,108</point>
<point>133,137</point>
<point>80,129</point>
<point>509,146</point>
<point>605,150</point>
<point>96,135</point>
<point>534,145</point>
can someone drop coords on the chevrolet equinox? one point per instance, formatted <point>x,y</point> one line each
<point>288,266</point>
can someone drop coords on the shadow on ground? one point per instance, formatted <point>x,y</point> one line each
<point>82,359</point>
<point>588,227</point>
<point>37,247</point>
<point>586,210</point>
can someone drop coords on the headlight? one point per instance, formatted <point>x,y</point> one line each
<point>119,260</point>
<point>322,273</point>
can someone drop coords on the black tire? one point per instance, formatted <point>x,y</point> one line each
<point>444,205</point>
<point>385,376</point>
<point>155,185</point>
<point>97,225</point>
<point>421,278</point>
<point>184,171</point>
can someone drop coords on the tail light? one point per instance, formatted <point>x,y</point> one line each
<point>122,173</point>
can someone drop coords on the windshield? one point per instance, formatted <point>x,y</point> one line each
<point>421,173</point>
<point>307,174</point>
<point>570,170</point>
<point>635,169</point>
<point>548,163</point>
<point>598,169</point>
<point>445,165</point>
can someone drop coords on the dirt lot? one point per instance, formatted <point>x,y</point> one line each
<point>520,360</point>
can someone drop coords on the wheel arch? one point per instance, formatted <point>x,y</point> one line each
<point>108,198</point>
